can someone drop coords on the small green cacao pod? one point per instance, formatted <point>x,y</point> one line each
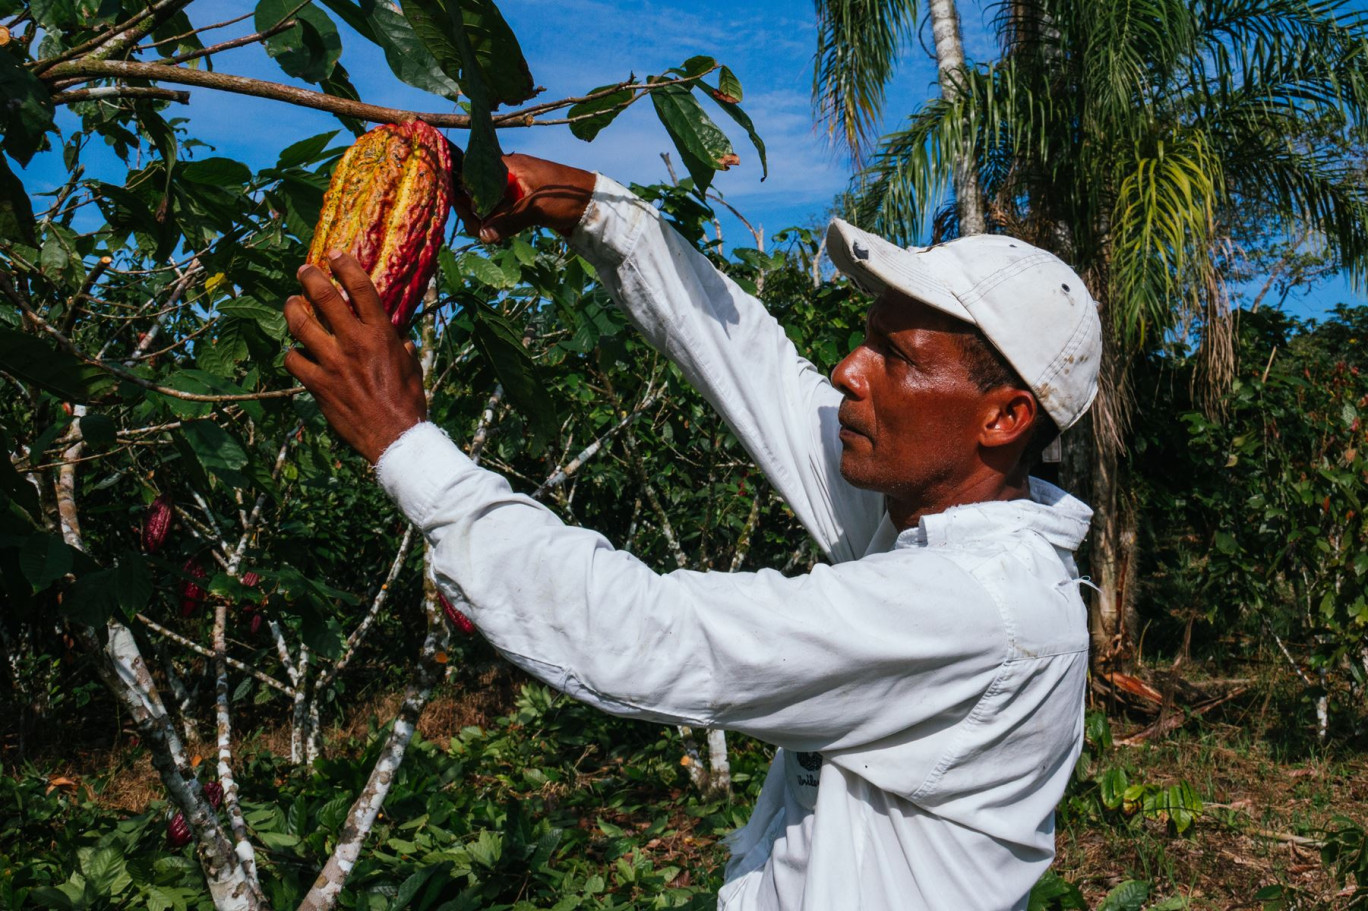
<point>157,523</point>
<point>177,831</point>
<point>458,619</point>
<point>387,206</point>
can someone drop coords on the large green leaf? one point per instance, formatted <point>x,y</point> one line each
<point>462,38</point>
<point>35,360</point>
<point>1129,896</point>
<point>723,96</point>
<point>44,559</point>
<point>26,113</point>
<point>493,56</point>
<point>311,49</point>
<point>407,56</point>
<point>16,212</point>
<point>598,112</point>
<point>704,148</point>
<point>13,485</point>
<point>215,448</point>
<point>499,344</point>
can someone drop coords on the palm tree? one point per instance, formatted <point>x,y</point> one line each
<point>1124,136</point>
<point>857,46</point>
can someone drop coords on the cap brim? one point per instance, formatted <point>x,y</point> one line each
<point>877,265</point>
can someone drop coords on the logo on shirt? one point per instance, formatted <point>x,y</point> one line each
<point>810,761</point>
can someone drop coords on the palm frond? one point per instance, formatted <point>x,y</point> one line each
<point>857,50</point>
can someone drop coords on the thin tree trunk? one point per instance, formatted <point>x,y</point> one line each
<point>950,73</point>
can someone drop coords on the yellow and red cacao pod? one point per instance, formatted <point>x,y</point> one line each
<point>387,205</point>
<point>177,831</point>
<point>157,523</point>
<point>458,619</point>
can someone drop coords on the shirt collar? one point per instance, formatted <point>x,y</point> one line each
<point>1050,512</point>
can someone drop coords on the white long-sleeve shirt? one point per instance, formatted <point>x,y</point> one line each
<point>939,672</point>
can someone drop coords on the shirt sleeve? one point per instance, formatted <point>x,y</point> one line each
<point>733,351</point>
<point>841,657</point>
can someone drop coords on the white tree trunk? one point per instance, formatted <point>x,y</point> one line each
<point>950,72</point>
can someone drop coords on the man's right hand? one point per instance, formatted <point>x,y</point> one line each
<point>552,196</point>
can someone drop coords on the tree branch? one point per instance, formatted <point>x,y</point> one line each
<point>207,653</point>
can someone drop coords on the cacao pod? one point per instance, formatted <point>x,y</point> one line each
<point>458,619</point>
<point>250,579</point>
<point>255,626</point>
<point>157,523</point>
<point>177,831</point>
<point>387,206</point>
<point>213,792</point>
<point>191,594</point>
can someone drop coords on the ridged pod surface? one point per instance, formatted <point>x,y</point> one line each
<point>177,831</point>
<point>387,205</point>
<point>157,523</point>
<point>458,619</point>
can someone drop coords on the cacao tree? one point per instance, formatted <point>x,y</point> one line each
<point>174,496</point>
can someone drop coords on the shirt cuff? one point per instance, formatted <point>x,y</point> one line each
<point>419,467</point>
<point>611,224</point>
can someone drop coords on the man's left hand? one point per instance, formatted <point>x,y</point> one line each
<point>365,378</point>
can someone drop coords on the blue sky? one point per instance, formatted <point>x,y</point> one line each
<point>575,45</point>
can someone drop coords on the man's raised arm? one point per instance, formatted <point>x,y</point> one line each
<point>728,346</point>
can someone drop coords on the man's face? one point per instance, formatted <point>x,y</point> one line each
<point>911,417</point>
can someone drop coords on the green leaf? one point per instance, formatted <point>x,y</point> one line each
<point>702,146</point>
<point>44,559</point>
<point>14,485</point>
<point>97,430</point>
<point>741,117</point>
<point>217,171</point>
<point>598,112</point>
<point>26,114</point>
<point>407,56</point>
<point>132,583</point>
<point>501,347</point>
<point>214,447</point>
<point>409,888</point>
<point>470,40</point>
<point>16,212</point>
<point>323,636</point>
<point>35,361</point>
<point>1129,896</point>
<point>270,319</point>
<point>1054,893</point>
<point>728,87</point>
<point>310,49</point>
<point>482,269</point>
<point>106,871</point>
<point>305,151</point>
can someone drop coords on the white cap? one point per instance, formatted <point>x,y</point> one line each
<point>1027,302</point>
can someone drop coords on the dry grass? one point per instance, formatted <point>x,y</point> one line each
<point>1259,827</point>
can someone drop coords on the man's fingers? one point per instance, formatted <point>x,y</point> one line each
<point>304,326</point>
<point>303,369</point>
<point>323,294</point>
<point>365,299</point>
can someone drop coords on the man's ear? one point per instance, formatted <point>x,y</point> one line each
<point>1009,415</point>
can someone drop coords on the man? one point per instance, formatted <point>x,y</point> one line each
<point>925,691</point>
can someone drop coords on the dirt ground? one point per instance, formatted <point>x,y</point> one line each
<point>1264,811</point>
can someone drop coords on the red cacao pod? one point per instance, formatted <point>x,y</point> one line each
<point>191,594</point>
<point>387,205</point>
<point>213,792</point>
<point>255,626</point>
<point>250,579</point>
<point>177,831</point>
<point>157,523</point>
<point>458,619</point>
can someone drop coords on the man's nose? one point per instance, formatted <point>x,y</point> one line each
<point>848,375</point>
